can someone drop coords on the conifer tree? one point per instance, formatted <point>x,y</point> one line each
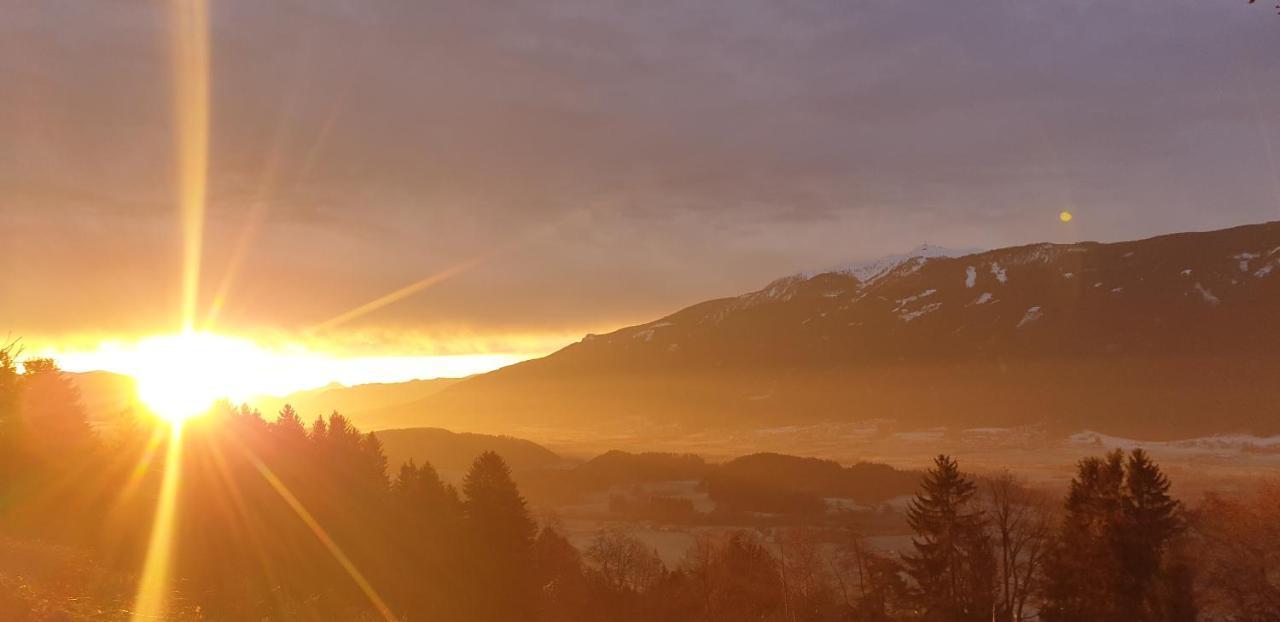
<point>289,425</point>
<point>319,430</point>
<point>373,462</point>
<point>10,424</point>
<point>953,563</point>
<point>501,536</point>
<point>1083,569</point>
<point>50,408</point>
<point>1113,560</point>
<point>561,582</point>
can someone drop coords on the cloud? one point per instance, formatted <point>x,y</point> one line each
<point>711,146</point>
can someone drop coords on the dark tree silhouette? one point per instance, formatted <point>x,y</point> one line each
<point>953,564</point>
<point>563,590</point>
<point>733,577</point>
<point>501,542</point>
<point>52,415</point>
<point>1113,561</point>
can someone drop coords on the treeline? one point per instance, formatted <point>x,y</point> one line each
<point>289,520</point>
<point>758,489</point>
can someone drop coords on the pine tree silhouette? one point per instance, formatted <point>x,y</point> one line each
<point>953,563</point>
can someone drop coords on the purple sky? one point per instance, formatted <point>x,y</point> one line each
<point>607,162</point>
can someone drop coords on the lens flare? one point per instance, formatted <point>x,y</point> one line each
<point>190,38</point>
<point>323,537</point>
<point>151,602</point>
<point>399,294</point>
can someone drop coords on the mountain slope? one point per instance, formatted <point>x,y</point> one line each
<point>360,403</point>
<point>105,395</point>
<point>1171,335</point>
<point>451,451</point>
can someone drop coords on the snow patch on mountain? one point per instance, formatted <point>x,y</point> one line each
<point>929,308</point>
<point>1204,444</point>
<point>647,333</point>
<point>867,272</point>
<point>1207,295</point>
<point>1244,259</point>
<point>1030,316</point>
<point>999,273</point>
<point>970,277</point>
<point>902,302</point>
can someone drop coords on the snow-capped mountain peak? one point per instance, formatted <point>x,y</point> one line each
<point>868,271</point>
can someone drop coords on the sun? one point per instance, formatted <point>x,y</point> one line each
<point>181,376</point>
<point>1065,216</point>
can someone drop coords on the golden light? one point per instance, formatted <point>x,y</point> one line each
<point>190,29</point>
<point>151,602</point>
<point>174,380</point>
<point>180,376</point>
<point>186,373</point>
<point>323,536</point>
<point>400,294</point>
<point>1065,216</point>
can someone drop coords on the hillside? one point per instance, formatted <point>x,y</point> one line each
<point>1161,337</point>
<point>452,451</point>
<point>360,403</point>
<point>105,395</point>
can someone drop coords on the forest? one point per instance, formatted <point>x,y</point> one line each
<point>278,518</point>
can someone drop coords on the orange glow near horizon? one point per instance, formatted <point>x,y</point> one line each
<point>181,375</point>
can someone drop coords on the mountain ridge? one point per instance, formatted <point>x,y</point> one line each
<point>1070,335</point>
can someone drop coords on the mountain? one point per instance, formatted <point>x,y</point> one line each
<point>1161,337</point>
<point>452,451</point>
<point>362,403</point>
<point>105,395</point>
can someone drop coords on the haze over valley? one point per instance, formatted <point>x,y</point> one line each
<point>726,311</point>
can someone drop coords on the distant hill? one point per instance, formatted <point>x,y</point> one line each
<point>362,404</point>
<point>1173,335</point>
<point>451,451</point>
<point>105,395</point>
<point>764,483</point>
<point>769,482</point>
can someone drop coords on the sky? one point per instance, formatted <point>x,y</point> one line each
<point>526,172</point>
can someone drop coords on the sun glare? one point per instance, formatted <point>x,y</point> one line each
<point>181,376</point>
